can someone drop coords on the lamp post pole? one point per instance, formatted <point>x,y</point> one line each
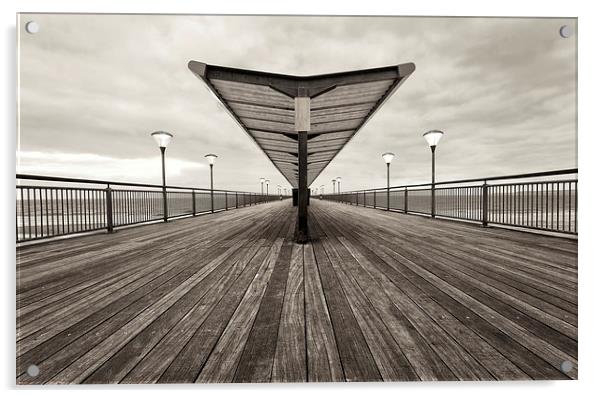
<point>267,187</point>
<point>388,157</point>
<point>162,138</point>
<point>211,159</point>
<point>211,172</point>
<point>164,186</point>
<point>333,186</point>
<point>388,185</point>
<point>432,138</point>
<point>433,180</point>
<point>339,181</point>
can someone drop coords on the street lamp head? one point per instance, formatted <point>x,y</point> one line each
<point>388,156</point>
<point>334,180</point>
<point>339,179</point>
<point>211,158</point>
<point>432,137</point>
<point>267,181</point>
<point>262,180</point>
<point>162,138</point>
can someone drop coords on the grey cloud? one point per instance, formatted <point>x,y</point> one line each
<point>503,90</point>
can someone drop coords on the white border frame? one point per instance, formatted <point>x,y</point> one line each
<point>590,267</point>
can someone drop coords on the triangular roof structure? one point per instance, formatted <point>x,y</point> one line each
<point>263,104</point>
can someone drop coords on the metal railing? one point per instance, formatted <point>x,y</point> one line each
<point>542,201</point>
<point>52,206</point>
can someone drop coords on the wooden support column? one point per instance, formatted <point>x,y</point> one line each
<point>302,126</point>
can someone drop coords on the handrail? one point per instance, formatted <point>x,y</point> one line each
<point>50,210</point>
<point>465,181</point>
<point>521,201</point>
<point>118,183</point>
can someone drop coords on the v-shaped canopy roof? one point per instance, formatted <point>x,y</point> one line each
<point>263,104</point>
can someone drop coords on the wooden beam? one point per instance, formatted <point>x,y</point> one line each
<point>302,114</point>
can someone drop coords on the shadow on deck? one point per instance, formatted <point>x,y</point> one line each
<point>231,298</point>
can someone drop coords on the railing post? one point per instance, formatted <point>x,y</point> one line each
<point>226,193</point>
<point>364,198</point>
<point>388,199</point>
<point>405,201</point>
<point>109,205</point>
<point>357,198</point>
<point>236,196</point>
<point>374,204</point>
<point>433,201</point>
<point>485,204</point>
<point>193,203</point>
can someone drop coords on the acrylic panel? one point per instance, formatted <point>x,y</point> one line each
<point>226,199</point>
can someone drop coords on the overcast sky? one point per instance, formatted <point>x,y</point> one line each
<point>93,88</point>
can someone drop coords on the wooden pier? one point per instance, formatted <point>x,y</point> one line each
<point>230,297</point>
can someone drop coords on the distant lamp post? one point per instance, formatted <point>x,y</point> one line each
<point>334,181</point>
<point>211,160</point>
<point>267,187</point>
<point>262,180</point>
<point>432,138</point>
<point>388,157</point>
<point>339,181</point>
<point>163,138</point>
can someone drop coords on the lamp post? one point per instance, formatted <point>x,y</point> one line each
<point>267,187</point>
<point>162,138</point>
<point>262,180</point>
<point>388,157</point>
<point>211,159</point>
<point>334,181</point>
<point>339,181</point>
<point>432,138</point>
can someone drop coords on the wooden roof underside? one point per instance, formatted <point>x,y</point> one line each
<point>263,105</point>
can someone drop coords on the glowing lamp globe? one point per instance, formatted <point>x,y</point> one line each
<point>432,137</point>
<point>388,157</point>
<point>211,158</point>
<point>162,138</point>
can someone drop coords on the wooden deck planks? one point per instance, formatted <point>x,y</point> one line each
<point>229,297</point>
<point>323,360</point>
<point>290,362</point>
<point>420,264</point>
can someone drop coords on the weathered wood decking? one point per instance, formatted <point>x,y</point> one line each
<point>230,298</point>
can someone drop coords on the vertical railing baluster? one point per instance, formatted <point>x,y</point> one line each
<point>35,213</point>
<point>563,206</point>
<point>485,205</point>
<point>557,205</point>
<point>547,209</point>
<point>47,212</point>
<point>109,208</point>
<point>29,214</point>
<point>570,207</point>
<point>193,203</point>
<point>538,205</point>
<point>22,215</point>
<point>576,201</point>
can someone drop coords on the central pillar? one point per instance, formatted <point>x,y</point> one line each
<point>302,126</point>
<point>302,235</point>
